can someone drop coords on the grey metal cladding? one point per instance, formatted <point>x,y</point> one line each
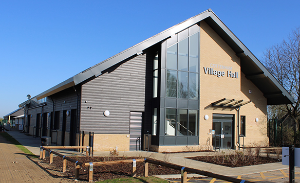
<point>119,90</point>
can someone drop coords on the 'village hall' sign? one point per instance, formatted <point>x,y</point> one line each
<point>212,71</point>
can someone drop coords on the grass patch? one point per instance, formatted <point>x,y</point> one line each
<point>136,180</point>
<point>16,143</point>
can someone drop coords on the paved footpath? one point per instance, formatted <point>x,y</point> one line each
<point>16,167</point>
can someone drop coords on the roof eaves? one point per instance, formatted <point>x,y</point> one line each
<point>61,86</point>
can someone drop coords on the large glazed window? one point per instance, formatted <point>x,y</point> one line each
<point>181,122</point>
<point>183,63</point>
<point>171,83</point>
<point>193,123</point>
<point>172,57</point>
<point>179,89</point>
<point>183,84</point>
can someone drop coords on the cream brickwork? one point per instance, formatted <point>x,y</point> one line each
<point>214,52</point>
<point>109,142</point>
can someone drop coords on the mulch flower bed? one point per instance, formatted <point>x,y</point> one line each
<point>123,170</point>
<point>106,171</point>
<point>235,160</point>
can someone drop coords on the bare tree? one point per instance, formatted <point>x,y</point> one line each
<point>283,61</point>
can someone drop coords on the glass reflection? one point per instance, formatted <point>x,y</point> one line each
<point>170,122</point>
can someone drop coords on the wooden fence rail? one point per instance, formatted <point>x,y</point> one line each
<point>65,158</point>
<point>48,148</point>
<point>92,164</point>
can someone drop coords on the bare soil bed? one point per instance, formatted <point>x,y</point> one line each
<point>103,172</point>
<point>235,160</point>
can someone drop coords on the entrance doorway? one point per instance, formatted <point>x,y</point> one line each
<point>223,125</point>
<point>136,119</point>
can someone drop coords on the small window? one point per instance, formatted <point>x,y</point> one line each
<point>154,121</point>
<point>155,76</point>
<point>243,126</point>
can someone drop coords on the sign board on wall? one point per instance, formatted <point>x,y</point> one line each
<point>216,70</point>
<point>285,156</point>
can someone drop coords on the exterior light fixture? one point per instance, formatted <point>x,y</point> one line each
<point>68,113</point>
<point>206,117</point>
<point>106,113</point>
<point>49,114</point>
<point>256,119</point>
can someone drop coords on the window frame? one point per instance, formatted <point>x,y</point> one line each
<point>243,126</point>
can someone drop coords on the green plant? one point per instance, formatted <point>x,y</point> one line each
<point>114,152</point>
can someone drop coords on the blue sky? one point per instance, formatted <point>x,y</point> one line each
<point>43,43</point>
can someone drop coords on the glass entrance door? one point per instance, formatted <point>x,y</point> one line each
<point>222,124</point>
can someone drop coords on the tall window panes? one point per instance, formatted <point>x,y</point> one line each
<point>183,69</point>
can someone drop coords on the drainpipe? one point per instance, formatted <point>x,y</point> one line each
<point>238,125</point>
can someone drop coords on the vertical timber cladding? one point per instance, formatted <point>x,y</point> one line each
<point>120,89</point>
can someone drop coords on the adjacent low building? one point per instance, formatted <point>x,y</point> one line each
<point>193,86</point>
<point>14,120</point>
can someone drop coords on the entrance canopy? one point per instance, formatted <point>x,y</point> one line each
<point>229,103</point>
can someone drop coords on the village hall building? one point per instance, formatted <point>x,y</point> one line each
<point>191,87</point>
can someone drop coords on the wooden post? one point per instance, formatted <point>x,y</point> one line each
<point>146,168</point>
<point>64,164</point>
<point>133,168</point>
<point>87,150</point>
<point>44,153</point>
<point>51,157</point>
<point>41,152</point>
<point>183,175</point>
<point>77,168</point>
<point>91,172</point>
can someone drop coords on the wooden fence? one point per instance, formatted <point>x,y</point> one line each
<point>91,166</point>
